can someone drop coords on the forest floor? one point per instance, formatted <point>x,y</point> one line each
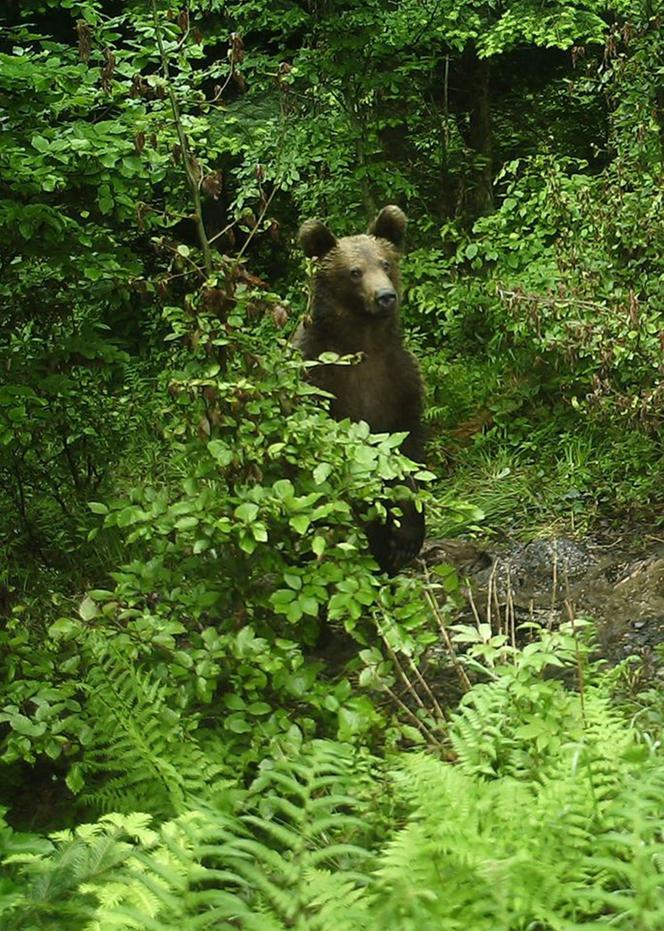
<point>613,576</point>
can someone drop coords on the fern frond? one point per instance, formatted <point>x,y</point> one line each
<point>578,846</point>
<point>140,748</point>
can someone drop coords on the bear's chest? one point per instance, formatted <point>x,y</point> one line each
<point>370,390</point>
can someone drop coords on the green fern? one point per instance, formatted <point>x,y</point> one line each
<point>558,833</point>
<point>304,816</point>
<point>141,754</point>
<point>261,869</point>
<point>516,854</point>
<point>628,858</point>
<point>58,885</point>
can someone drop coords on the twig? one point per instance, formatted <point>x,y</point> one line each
<point>425,685</point>
<point>185,35</point>
<point>184,146</point>
<point>399,668</point>
<point>510,615</point>
<point>492,577</point>
<point>187,258</point>
<point>228,227</point>
<point>579,667</point>
<point>253,232</point>
<point>554,579</point>
<point>223,87</point>
<point>22,506</point>
<point>420,725</point>
<point>549,301</point>
<point>437,613</point>
<point>473,607</point>
<point>407,682</point>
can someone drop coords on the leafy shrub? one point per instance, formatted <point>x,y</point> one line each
<point>235,564</point>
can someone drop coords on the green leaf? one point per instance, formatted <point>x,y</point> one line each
<point>40,144</point>
<point>300,523</point>
<point>53,749</point>
<point>63,628</point>
<point>355,717</point>
<point>88,609</point>
<point>284,489</point>
<point>186,523</point>
<point>74,779</point>
<point>247,543</point>
<point>412,734</point>
<point>238,724</point>
<point>219,451</point>
<point>183,659</point>
<point>309,605</point>
<point>23,725</point>
<point>294,612</point>
<point>259,531</point>
<point>282,597</point>
<point>321,472</point>
<point>246,512</point>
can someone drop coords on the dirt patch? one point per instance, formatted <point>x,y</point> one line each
<point>616,581</point>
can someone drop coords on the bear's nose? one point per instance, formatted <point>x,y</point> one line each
<point>386,298</point>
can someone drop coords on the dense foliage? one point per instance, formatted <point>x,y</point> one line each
<point>190,626</point>
<point>531,828</point>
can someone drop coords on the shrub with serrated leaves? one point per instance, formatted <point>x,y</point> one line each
<point>235,541</point>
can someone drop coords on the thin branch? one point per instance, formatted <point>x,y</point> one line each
<point>22,507</point>
<point>228,227</point>
<point>579,666</point>
<point>252,233</point>
<point>410,688</point>
<point>549,301</point>
<point>187,157</point>
<point>425,685</point>
<point>187,258</point>
<point>420,725</point>
<point>438,615</point>
<point>223,87</point>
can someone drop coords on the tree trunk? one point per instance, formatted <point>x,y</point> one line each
<point>359,129</point>
<point>476,131</point>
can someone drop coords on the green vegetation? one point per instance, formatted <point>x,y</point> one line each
<point>214,711</point>
<point>549,819</point>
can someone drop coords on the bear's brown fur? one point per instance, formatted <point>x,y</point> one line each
<point>355,309</point>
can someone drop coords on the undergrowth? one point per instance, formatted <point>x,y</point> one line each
<point>530,466</point>
<point>203,673</point>
<point>547,817</point>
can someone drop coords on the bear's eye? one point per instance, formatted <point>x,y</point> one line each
<point>356,273</point>
<point>386,266</point>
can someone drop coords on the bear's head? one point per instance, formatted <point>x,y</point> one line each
<point>359,274</point>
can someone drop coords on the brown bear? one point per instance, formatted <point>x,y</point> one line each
<point>355,310</point>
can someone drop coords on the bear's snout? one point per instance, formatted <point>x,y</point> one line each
<point>386,300</point>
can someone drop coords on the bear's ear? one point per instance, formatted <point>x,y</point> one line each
<point>390,224</point>
<point>315,239</point>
